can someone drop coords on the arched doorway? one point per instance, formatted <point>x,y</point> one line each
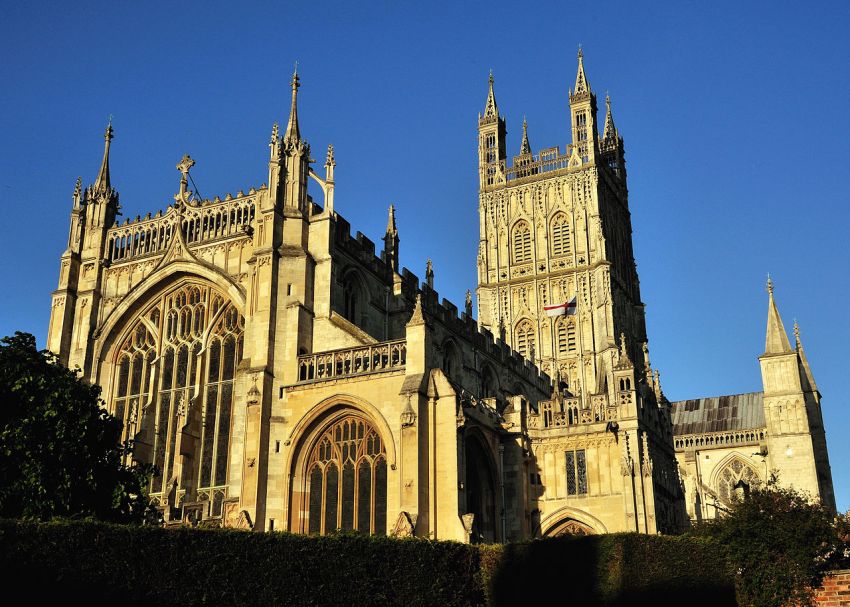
<point>480,491</point>
<point>569,526</point>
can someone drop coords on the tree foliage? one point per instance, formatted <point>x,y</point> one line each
<point>779,543</point>
<point>60,451</point>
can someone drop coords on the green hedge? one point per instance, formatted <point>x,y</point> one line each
<point>142,565</point>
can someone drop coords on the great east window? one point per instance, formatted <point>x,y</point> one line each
<point>173,389</point>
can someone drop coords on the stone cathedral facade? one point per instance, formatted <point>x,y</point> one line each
<point>283,375</point>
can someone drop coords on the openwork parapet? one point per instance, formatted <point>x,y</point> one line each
<point>545,162</point>
<point>376,358</point>
<point>204,223</point>
<point>563,413</point>
<point>719,439</point>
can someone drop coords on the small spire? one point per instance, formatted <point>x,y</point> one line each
<point>102,184</point>
<point>610,130</point>
<point>78,192</point>
<point>797,334</point>
<point>808,376</point>
<point>429,273</point>
<point>275,134</point>
<point>417,318</point>
<point>330,161</point>
<point>468,304</point>
<point>293,133</point>
<point>490,108</point>
<point>524,147</point>
<point>391,226</point>
<point>582,85</point>
<point>776,340</point>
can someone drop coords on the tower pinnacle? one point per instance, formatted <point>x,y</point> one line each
<point>102,183</point>
<point>293,133</point>
<point>610,131</point>
<point>525,147</point>
<point>582,85</point>
<point>490,108</point>
<point>776,340</point>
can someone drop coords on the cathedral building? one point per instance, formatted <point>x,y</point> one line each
<point>283,375</point>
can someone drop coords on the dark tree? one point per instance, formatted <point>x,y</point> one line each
<point>779,543</point>
<point>60,451</point>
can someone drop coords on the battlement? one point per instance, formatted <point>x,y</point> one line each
<point>204,221</point>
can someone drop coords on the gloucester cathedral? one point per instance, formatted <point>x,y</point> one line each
<point>283,374</point>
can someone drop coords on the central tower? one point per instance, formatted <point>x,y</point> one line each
<point>557,281</point>
<point>554,226</point>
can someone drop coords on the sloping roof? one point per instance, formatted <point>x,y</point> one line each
<point>718,413</point>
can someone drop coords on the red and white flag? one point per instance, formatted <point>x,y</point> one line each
<point>568,308</point>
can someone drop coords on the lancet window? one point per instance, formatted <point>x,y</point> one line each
<point>525,339</point>
<point>347,479</point>
<point>576,472</point>
<point>565,336</point>
<point>522,243</point>
<point>173,389</point>
<point>560,239</point>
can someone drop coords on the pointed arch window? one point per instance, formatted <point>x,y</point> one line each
<point>522,242</point>
<point>560,235</point>
<point>525,339</point>
<point>735,480</point>
<point>173,390</point>
<point>347,479</point>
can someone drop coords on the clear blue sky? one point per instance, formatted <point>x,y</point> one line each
<point>735,118</point>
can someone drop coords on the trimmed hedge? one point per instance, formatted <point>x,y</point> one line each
<point>137,565</point>
<point>616,569</point>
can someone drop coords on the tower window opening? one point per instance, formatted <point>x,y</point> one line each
<point>522,243</point>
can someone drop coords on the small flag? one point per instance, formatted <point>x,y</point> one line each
<point>568,308</point>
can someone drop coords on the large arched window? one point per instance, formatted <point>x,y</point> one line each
<point>522,242</point>
<point>347,479</point>
<point>560,235</point>
<point>173,389</point>
<point>525,339</point>
<point>735,480</point>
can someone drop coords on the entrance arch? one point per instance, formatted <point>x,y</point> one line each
<point>480,490</point>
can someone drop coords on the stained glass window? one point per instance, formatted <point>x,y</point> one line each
<point>356,498</point>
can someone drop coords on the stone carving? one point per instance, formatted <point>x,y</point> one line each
<point>405,525</point>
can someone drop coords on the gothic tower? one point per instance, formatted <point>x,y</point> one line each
<point>556,226</point>
<point>795,434</point>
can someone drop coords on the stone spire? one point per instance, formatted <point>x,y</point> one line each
<point>525,147</point>
<point>490,108</point>
<point>102,183</point>
<point>391,227</point>
<point>804,362</point>
<point>293,133</point>
<point>776,341</point>
<point>582,86</point>
<point>610,131</point>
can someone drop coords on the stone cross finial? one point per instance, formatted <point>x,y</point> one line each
<point>183,166</point>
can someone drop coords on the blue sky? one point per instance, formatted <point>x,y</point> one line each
<point>734,117</point>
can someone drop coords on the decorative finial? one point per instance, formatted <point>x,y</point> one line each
<point>580,52</point>
<point>183,166</point>
<point>275,134</point>
<point>109,120</point>
<point>468,303</point>
<point>796,330</point>
<point>295,69</point>
<point>329,159</point>
<point>78,186</point>
<point>429,273</point>
<point>769,285</point>
<point>491,75</point>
